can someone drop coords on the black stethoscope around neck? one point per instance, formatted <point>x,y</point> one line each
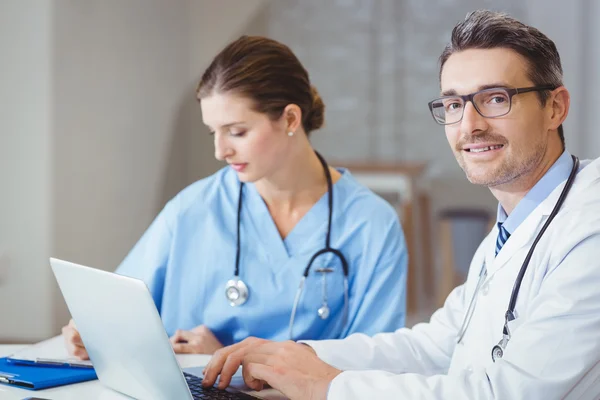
<point>498,350</point>
<point>237,291</point>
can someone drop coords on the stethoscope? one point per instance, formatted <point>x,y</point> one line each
<point>237,291</point>
<point>498,350</point>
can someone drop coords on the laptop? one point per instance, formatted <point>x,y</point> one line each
<point>125,338</point>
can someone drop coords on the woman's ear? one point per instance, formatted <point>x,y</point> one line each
<point>560,102</point>
<point>292,115</point>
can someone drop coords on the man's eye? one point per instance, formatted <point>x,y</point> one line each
<point>453,106</point>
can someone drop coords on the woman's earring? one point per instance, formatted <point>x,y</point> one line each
<point>290,133</point>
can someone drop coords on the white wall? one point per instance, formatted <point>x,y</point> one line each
<point>120,73</point>
<point>573,27</point>
<point>590,72</point>
<point>563,22</point>
<point>212,25</point>
<point>99,128</point>
<point>25,158</point>
<point>119,77</point>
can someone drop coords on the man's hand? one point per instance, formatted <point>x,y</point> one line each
<point>292,368</point>
<point>73,341</point>
<point>199,340</point>
<point>226,361</point>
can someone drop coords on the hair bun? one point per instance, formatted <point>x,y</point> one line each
<point>316,116</point>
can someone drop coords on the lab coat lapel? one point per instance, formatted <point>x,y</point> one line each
<point>522,237</point>
<point>490,257</point>
<point>528,230</point>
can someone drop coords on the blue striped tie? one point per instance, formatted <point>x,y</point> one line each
<point>503,236</point>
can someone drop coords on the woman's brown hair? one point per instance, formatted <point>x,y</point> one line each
<point>268,73</point>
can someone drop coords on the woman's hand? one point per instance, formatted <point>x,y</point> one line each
<point>199,340</point>
<point>73,341</point>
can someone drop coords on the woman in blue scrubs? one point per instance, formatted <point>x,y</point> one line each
<point>273,200</point>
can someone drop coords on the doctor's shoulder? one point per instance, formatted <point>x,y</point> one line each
<point>575,232</point>
<point>203,195</point>
<point>361,207</point>
<point>577,222</point>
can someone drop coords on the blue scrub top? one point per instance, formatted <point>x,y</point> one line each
<point>188,254</point>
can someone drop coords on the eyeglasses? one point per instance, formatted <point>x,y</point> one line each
<point>489,103</point>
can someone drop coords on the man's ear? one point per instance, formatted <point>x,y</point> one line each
<point>558,109</point>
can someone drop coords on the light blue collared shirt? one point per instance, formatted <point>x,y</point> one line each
<point>558,173</point>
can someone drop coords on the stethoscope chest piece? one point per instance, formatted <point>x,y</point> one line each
<point>236,292</point>
<point>497,352</point>
<point>323,311</point>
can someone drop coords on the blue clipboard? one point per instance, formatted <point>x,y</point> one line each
<point>41,377</point>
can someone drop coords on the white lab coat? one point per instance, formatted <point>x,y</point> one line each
<point>554,352</point>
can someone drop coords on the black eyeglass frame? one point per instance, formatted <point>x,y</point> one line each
<point>469,97</point>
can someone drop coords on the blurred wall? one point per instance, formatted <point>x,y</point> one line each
<point>566,24</point>
<point>590,78</point>
<point>25,162</point>
<point>99,128</point>
<point>119,75</point>
<point>213,25</point>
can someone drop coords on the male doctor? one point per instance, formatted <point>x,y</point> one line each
<point>502,104</point>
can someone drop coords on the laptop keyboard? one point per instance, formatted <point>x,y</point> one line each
<point>200,392</point>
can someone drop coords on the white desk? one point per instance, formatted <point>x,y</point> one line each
<point>95,390</point>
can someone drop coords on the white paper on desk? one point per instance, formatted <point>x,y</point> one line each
<point>53,349</point>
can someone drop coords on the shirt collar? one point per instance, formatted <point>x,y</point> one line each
<point>558,173</point>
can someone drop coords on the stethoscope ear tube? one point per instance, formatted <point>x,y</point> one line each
<point>295,306</point>
<point>471,308</point>
<point>297,301</point>
<point>346,304</point>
